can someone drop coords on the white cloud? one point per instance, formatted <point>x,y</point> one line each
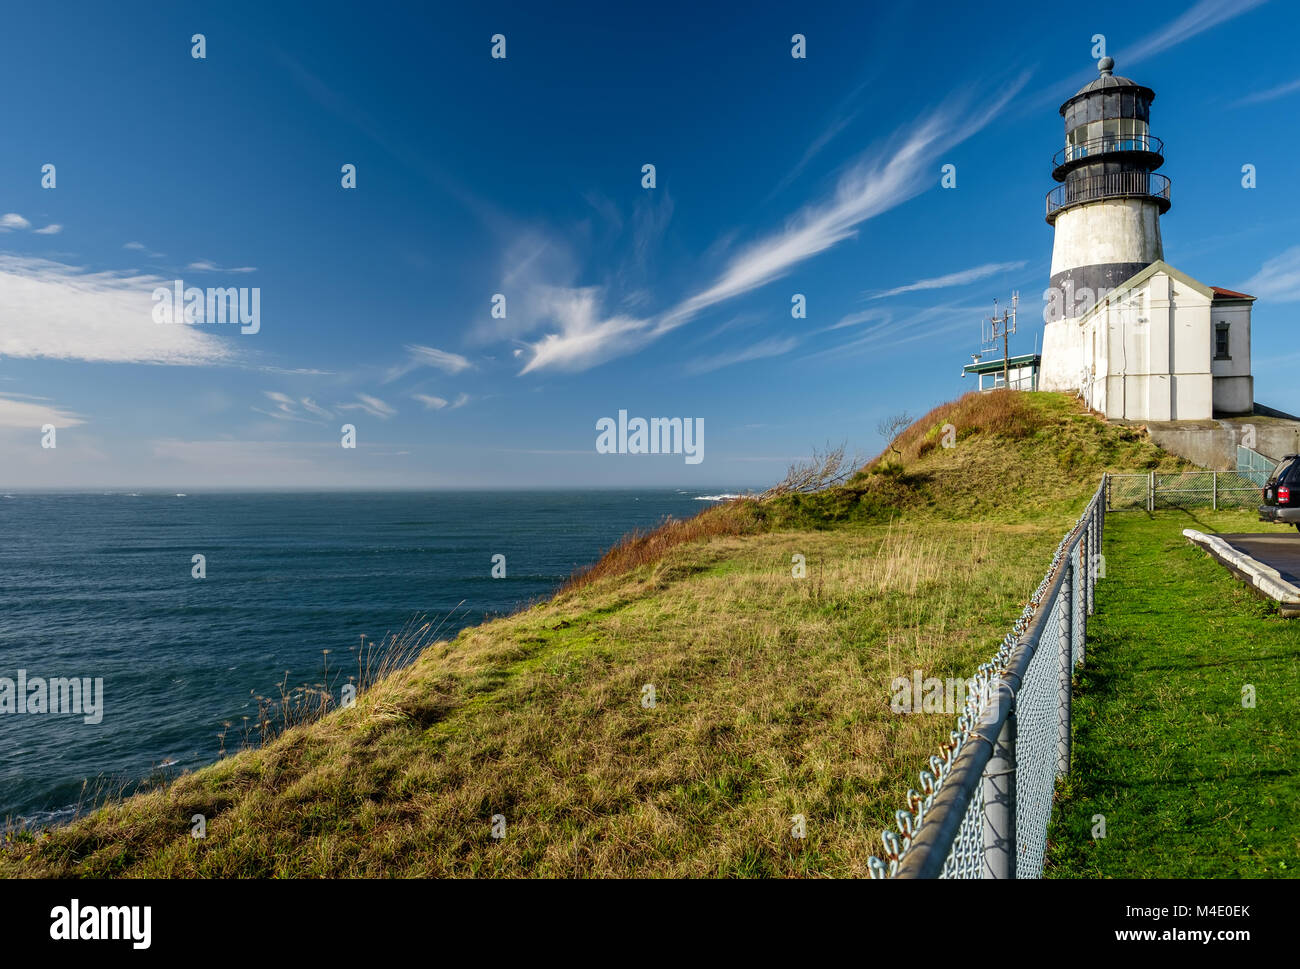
<point>31,413</point>
<point>430,402</point>
<point>864,316</point>
<point>961,278</point>
<point>52,229</point>
<point>443,360</point>
<point>460,401</point>
<point>289,409</point>
<point>1278,279</point>
<point>588,336</point>
<point>297,371</point>
<point>1271,94</point>
<point>12,220</point>
<point>422,356</point>
<point>312,407</point>
<point>134,245</point>
<point>907,326</point>
<point>64,312</point>
<point>767,348</point>
<point>204,265</point>
<point>1203,16</point>
<point>584,339</point>
<point>371,405</point>
<point>814,148</point>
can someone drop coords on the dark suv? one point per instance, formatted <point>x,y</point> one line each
<point>1282,494</point>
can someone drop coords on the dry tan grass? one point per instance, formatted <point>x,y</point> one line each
<point>772,692</point>
<point>772,700</point>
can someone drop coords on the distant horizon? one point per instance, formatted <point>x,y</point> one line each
<point>167,490</point>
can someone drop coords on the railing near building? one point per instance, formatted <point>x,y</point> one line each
<point>1090,188</point>
<point>1107,144</point>
<point>1255,466</point>
<point>985,801</point>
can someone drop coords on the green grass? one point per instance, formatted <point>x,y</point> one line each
<point>1190,783</point>
<point>772,691</point>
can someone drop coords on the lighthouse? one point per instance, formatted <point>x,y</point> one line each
<point>1134,337</point>
<point>1105,212</point>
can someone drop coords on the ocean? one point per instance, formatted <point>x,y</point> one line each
<point>101,586</point>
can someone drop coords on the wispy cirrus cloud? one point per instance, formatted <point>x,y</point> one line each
<point>901,326</point>
<point>860,317</point>
<point>302,410</point>
<point>66,312</point>
<point>1278,279</point>
<point>12,221</point>
<point>1197,19</point>
<point>1270,94</point>
<point>207,266</point>
<point>141,247</point>
<point>961,278</point>
<point>371,405</point>
<point>773,347</point>
<point>1193,21</point>
<point>587,335</point>
<point>430,402</point>
<point>418,355</point>
<point>30,413</point>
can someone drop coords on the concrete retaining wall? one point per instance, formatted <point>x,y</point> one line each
<point>1213,444</point>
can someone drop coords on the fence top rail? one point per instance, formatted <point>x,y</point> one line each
<point>920,847</point>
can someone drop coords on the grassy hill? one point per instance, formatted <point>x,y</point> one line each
<point>771,692</point>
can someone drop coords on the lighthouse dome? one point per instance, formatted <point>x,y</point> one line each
<point>1108,82</point>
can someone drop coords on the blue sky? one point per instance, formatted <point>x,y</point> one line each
<point>523,176</point>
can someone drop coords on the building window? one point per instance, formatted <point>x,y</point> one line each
<point>1221,340</point>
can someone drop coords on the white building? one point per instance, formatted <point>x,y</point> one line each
<point>1136,337</point>
<point>1164,347</point>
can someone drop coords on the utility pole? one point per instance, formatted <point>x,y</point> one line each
<point>1003,326</point>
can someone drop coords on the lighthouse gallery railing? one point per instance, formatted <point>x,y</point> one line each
<point>986,799</point>
<point>1089,188</point>
<point>1108,144</point>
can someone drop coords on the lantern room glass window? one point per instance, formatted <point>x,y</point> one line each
<point>1111,134</point>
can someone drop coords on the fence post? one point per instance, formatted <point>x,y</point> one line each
<point>1094,558</point>
<point>1084,577</point>
<point>1215,479</point>
<point>1151,491</point>
<point>999,788</point>
<point>1101,525</point>
<point>1066,670</point>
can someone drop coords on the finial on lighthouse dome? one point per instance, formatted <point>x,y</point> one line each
<point>1106,66</point>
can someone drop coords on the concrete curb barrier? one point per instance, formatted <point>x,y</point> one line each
<point>1267,580</point>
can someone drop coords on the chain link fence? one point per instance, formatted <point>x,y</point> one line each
<point>1181,489</point>
<point>986,798</point>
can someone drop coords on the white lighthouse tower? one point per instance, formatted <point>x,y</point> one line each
<point>1106,212</point>
<point>1134,337</point>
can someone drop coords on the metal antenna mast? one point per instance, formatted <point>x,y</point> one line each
<point>1003,326</point>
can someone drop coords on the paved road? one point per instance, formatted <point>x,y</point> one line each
<point>1280,550</point>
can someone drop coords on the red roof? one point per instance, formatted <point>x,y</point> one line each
<point>1221,293</point>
